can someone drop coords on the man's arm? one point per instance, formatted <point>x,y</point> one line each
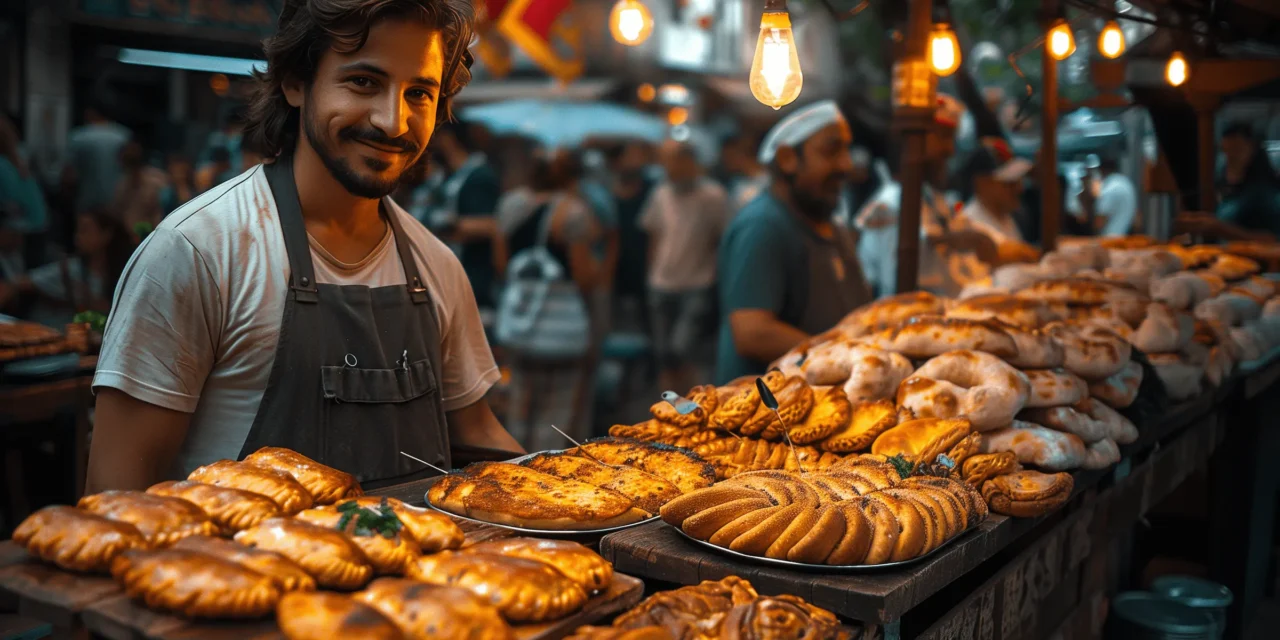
<point>134,443</point>
<point>759,335</point>
<point>475,425</point>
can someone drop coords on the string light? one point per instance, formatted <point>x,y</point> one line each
<point>1177,70</point>
<point>1060,42</point>
<point>630,22</point>
<point>677,116</point>
<point>646,92</point>
<point>776,78</point>
<point>944,50</point>
<point>1111,40</point>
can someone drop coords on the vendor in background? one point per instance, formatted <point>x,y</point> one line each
<point>470,200</point>
<point>745,176</point>
<point>182,187</point>
<point>297,306</point>
<point>1109,201</point>
<point>1250,204</point>
<point>997,177</point>
<point>138,194</point>
<point>631,188</point>
<point>787,271</point>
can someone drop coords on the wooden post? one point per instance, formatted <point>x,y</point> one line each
<point>1206,107</point>
<point>913,115</point>
<point>1050,198</point>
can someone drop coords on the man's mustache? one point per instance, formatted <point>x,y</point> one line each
<point>355,134</point>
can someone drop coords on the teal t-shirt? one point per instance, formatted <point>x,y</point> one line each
<point>22,195</point>
<point>478,196</point>
<point>1254,206</point>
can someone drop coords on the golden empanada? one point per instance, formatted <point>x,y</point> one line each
<point>75,540</point>
<point>648,491</point>
<point>232,509</point>
<point>432,612</point>
<point>325,615</point>
<point>795,399</point>
<point>326,484</point>
<point>523,590</point>
<point>286,573</point>
<point>163,520</point>
<point>194,584</point>
<point>432,530</point>
<point>831,412</point>
<point>281,487</point>
<point>735,405</point>
<point>329,556</point>
<point>575,561</point>
<point>388,553</point>
<point>870,419</point>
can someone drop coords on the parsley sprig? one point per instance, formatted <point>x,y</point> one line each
<point>366,521</point>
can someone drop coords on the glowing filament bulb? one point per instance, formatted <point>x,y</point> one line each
<point>1111,40</point>
<point>776,78</point>
<point>944,50</point>
<point>630,22</point>
<point>1061,41</point>
<point>1177,71</point>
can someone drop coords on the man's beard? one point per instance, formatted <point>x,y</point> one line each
<point>359,185</point>
<point>810,206</point>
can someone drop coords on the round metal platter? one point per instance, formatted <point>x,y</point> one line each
<point>824,568</point>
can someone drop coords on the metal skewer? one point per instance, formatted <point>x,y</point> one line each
<point>579,445</point>
<point>424,462</point>
<point>766,397</point>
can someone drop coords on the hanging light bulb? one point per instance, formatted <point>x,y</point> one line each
<point>1177,70</point>
<point>1060,41</point>
<point>944,50</point>
<point>630,22</point>
<point>1111,40</point>
<point>776,78</point>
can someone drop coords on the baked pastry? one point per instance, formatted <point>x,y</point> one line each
<point>194,585</point>
<point>76,540</point>
<point>684,612</point>
<point>510,494</point>
<point>232,509</point>
<point>281,487</point>
<point>1121,388</point>
<point>983,466</point>
<point>387,548</point>
<point>971,384</point>
<point>286,574</point>
<point>913,537</point>
<point>782,616</point>
<point>795,400</point>
<point>868,420</point>
<point>162,520</point>
<point>651,431</point>
<point>682,468</point>
<point>1101,454</point>
<point>614,633</point>
<point>432,612</point>
<point>432,530</point>
<point>922,440</point>
<point>648,491</point>
<point>1092,355</point>
<point>325,484</point>
<point>1036,445</point>
<point>1007,308</point>
<point>969,497</point>
<point>1181,379</point>
<point>1232,267</point>
<point>929,336</point>
<point>831,411</point>
<point>1036,349</point>
<point>1078,292</point>
<point>576,562</point>
<point>329,556</point>
<point>522,590</point>
<point>705,396</point>
<point>1055,388</point>
<point>331,616</point>
<point>735,404</point>
<point>1027,494</point>
<point>892,311</point>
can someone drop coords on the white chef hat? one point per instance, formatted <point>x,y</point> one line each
<point>795,129</point>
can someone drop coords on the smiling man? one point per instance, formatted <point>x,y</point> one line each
<point>296,305</point>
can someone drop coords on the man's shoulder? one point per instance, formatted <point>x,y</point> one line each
<point>239,209</point>
<point>762,218</point>
<point>430,247</point>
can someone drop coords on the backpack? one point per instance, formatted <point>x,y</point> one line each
<point>541,313</point>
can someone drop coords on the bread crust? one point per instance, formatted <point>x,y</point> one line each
<point>163,520</point>
<point>76,540</point>
<point>325,484</point>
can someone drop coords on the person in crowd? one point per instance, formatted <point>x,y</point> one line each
<point>593,188</point>
<point>685,218</point>
<point>273,309</point>
<point>746,177</point>
<point>93,151</point>
<point>1112,209</point>
<point>216,171</point>
<point>24,215</point>
<point>138,195</point>
<point>470,199</point>
<point>863,182</point>
<point>997,177</point>
<point>1030,214</point>
<point>229,137</point>
<point>787,272</point>
<point>181,187</point>
<point>631,188</point>
<point>84,281</point>
<point>1249,206</point>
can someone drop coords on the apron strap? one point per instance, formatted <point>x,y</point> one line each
<point>417,292</point>
<point>302,278</point>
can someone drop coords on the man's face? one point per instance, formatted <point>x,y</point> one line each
<point>1001,196</point>
<point>821,169</point>
<point>681,167</point>
<point>940,144</point>
<point>369,114</point>
<point>1238,152</point>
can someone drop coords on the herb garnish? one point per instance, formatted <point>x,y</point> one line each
<point>365,521</point>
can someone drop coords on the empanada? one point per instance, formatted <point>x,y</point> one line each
<point>325,615</point>
<point>232,509</point>
<point>389,554</point>
<point>432,612</point>
<point>75,540</point>
<point>575,561</point>
<point>505,493</point>
<point>523,590</point>
<point>869,420</point>
<point>194,584</point>
<point>286,573</point>
<point>326,484</point>
<point>831,412</point>
<point>163,520</point>
<point>432,530</point>
<point>281,487</point>
<point>329,556</point>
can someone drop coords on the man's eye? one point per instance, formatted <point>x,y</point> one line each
<point>361,81</point>
<point>419,94</point>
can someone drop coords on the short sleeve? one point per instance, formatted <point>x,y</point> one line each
<point>479,194</point>
<point>578,224</point>
<point>165,324</point>
<point>754,269</point>
<point>469,368</point>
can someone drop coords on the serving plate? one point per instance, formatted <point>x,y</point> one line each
<point>824,568</point>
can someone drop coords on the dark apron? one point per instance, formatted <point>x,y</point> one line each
<point>836,285</point>
<point>356,373</point>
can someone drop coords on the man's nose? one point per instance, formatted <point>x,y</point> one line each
<point>390,115</point>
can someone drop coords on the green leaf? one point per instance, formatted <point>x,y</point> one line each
<point>348,507</point>
<point>903,465</point>
<point>344,521</point>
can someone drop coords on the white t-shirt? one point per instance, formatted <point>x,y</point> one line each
<point>979,218</point>
<point>686,227</point>
<point>1118,203</point>
<point>197,313</point>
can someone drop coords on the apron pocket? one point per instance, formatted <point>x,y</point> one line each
<point>378,386</point>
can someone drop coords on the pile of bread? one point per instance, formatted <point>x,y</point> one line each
<point>728,608</point>
<point>858,511</point>
<point>245,539</point>
<point>606,483</point>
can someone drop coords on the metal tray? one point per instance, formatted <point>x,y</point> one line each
<point>825,568</point>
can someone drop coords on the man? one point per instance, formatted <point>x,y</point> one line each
<point>1114,207</point>
<point>471,201</point>
<point>684,218</point>
<point>997,177</point>
<point>93,159</point>
<point>295,306</point>
<point>1250,192</point>
<point>137,197</point>
<point>786,271</point>
<point>631,188</point>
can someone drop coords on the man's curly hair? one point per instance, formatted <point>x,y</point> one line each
<point>309,28</point>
